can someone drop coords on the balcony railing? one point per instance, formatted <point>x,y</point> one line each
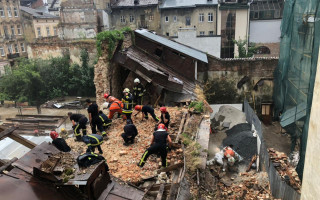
<point>13,55</point>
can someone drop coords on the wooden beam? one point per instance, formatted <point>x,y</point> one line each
<point>5,166</point>
<point>181,126</point>
<point>16,137</point>
<point>160,193</point>
<point>170,168</point>
<point>6,132</point>
<point>2,162</point>
<point>42,116</point>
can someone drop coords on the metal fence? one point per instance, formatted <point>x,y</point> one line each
<point>279,188</point>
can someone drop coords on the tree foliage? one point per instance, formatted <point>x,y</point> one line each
<point>37,80</point>
<point>243,53</point>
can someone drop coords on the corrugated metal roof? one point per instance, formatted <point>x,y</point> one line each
<point>186,3</point>
<point>37,13</point>
<point>130,3</point>
<point>174,45</point>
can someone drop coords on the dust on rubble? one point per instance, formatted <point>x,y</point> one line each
<point>123,160</point>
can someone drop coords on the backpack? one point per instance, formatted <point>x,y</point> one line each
<point>88,159</point>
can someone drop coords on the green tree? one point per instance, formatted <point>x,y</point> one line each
<point>243,53</point>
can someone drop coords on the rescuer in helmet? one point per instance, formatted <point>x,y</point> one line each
<point>138,92</point>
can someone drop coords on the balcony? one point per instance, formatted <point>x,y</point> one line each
<point>13,55</point>
<point>10,37</point>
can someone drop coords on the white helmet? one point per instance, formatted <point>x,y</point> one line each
<point>105,105</point>
<point>136,80</point>
<point>126,90</point>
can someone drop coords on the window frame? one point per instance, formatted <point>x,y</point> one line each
<point>2,51</point>
<point>188,21</point>
<point>22,47</point>
<point>211,33</point>
<point>123,19</point>
<point>19,30</point>
<point>55,31</point>
<point>15,12</point>
<point>210,17</point>
<point>48,31</point>
<point>166,18</point>
<point>201,17</point>
<point>16,48</point>
<point>175,18</point>
<point>2,12</point>
<point>10,51</point>
<point>13,31</point>
<point>9,11</point>
<point>131,18</point>
<point>39,31</point>
<point>202,33</point>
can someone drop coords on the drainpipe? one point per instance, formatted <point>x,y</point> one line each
<point>248,27</point>
<point>196,70</point>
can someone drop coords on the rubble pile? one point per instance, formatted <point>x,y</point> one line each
<point>123,160</point>
<point>287,172</point>
<point>228,117</point>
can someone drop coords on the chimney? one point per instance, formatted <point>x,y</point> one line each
<point>136,2</point>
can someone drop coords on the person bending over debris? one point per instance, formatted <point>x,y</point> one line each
<point>59,143</point>
<point>127,101</point>
<point>138,92</point>
<point>94,118</point>
<point>229,159</point>
<point>130,132</point>
<point>88,159</point>
<point>115,105</point>
<point>79,121</point>
<point>158,146</point>
<point>106,122</point>
<point>165,116</point>
<point>144,111</point>
<point>93,141</point>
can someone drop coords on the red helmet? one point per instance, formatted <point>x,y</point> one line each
<point>106,95</point>
<point>138,107</point>
<point>161,126</point>
<point>54,135</point>
<point>163,109</point>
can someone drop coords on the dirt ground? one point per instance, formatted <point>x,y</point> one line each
<point>274,139</point>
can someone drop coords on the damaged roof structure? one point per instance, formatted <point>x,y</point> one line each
<point>170,66</point>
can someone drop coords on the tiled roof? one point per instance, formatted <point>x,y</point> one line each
<point>37,13</point>
<point>130,3</point>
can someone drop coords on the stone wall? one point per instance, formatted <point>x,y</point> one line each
<point>234,70</point>
<point>46,48</point>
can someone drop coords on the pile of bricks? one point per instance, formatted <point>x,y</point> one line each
<point>287,172</point>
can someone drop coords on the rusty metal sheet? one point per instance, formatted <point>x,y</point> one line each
<point>35,157</point>
<point>12,188</point>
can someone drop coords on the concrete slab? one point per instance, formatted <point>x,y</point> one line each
<point>203,138</point>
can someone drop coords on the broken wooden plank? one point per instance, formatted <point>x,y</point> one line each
<point>175,185</point>
<point>42,116</point>
<point>181,126</point>
<point>6,132</point>
<point>32,120</point>
<point>106,192</point>
<point>170,168</point>
<point>156,187</point>
<point>16,137</point>
<point>254,158</point>
<point>160,193</point>
<point>5,166</point>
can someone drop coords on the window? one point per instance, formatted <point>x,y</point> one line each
<point>2,12</point>
<point>131,18</point>
<point>39,31</point>
<point>19,29</point>
<point>16,48</point>
<point>210,17</point>
<point>122,19</point>
<point>188,21</point>
<point>9,12</point>
<point>210,33</point>
<point>10,48</point>
<point>151,17</point>
<point>2,51</point>
<point>201,33</point>
<point>167,34</point>
<point>5,30</point>
<point>48,31</point>
<point>55,31</point>
<point>175,18</point>
<point>166,19</point>
<point>201,17</point>
<point>15,10</point>
<point>12,30</point>
<point>22,47</point>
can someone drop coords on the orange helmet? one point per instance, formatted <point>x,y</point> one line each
<point>138,107</point>
<point>106,95</point>
<point>161,126</point>
<point>229,153</point>
<point>163,109</point>
<point>54,135</point>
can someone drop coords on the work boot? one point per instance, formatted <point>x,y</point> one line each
<point>126,144</point>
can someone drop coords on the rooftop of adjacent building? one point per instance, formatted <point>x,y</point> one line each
<point>186,3</point>
<point>133,3</point>
<point>37,13</point>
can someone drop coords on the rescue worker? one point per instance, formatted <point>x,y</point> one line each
<point>79,122</point>
<point>106,122</point>
<point>130,132</point>
<point>145,110</point>
<point>94,119</point>
<point>165,117</point>
<point>59,143</point>
<point>115,105</point>
<point>138,92</point>
<point>93,141</point>
<point>158,146</point>
<point>229,159</point>
<point>127,102</point>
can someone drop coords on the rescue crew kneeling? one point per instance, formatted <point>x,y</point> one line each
<point>93,141</point>
<point>158,146</point>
